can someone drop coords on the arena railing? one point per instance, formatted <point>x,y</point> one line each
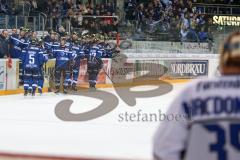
<point>110,25</point>
<point>223,9</point>
<point>35,23</point>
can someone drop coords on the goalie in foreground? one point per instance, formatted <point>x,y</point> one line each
<point>211,130</point>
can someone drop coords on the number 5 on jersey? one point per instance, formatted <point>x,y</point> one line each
<point>31,59</point>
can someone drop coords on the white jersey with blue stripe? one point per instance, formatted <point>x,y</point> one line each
<point>208,125</point>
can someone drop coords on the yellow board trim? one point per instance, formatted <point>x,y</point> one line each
<point>19,91</point>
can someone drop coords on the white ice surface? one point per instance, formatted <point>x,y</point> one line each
<point>29,125</point>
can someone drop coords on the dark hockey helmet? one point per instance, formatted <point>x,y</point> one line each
<point>50,31</point>
<point>75,33</point>
<point>75,36</point>
<point>34,42</point>
<point>26,29</point>
<point>65,34</point>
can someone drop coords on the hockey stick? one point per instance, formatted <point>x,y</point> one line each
<point>104,71</point>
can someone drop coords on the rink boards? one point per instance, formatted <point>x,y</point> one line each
<point>125,71</point>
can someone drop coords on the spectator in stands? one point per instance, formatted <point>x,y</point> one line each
<point>185,21</point>
<point>4,44</point>
<point>192,35</point>
<point>140,17</point>
<point>177,17</point>
<point>184,34</point>
<point>74,11</point>
<point>129,8</point>
<point>166,2</point>
<point>174,30</point>
<point>4,8</point>
<point>203,35</point>
<point>209,35</point>
<point>156,10</point>
<point>93,28</point>
<point>14,32</point>
<point>66,7</point>
<point>56,16</point>
<point>109,8</point>
<point>192,30</point>
<point>235,2</point>
<point>34,5</point>
<point>61,31</point>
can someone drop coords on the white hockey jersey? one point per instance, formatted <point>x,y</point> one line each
<point>211,129</point>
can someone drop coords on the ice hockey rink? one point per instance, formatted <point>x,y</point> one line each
<point>29,127</point>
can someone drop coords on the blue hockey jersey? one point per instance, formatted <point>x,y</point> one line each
<point>106,53</point>
<point>95,51</point>
<point>32,57</point>
<point>50,45</point>
<point>45,55</point>
<point>63,56</point>
<point>17,43</point>
<point>78,51</point>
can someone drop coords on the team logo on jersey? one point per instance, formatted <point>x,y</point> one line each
<point>62,54</point>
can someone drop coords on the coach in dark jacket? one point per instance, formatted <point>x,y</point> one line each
<point>3,44</point>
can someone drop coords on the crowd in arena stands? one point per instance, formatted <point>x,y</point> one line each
<point>232,2</point>
<point>81,15</point>
<point>177,17</point>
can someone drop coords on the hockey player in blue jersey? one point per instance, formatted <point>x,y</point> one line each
<point>107,51</point>
<point>94,63</point>
<point>14,32</point>
<point>50,42</point>
<point>102,46</point>
<point>41,69</point>
<point>106,48</point>
<point>63,56</point>
<point>29,34</point>
<point>79,54</point>
<point>32,58</point>
<point>16,44</point>
<point>68,38</point>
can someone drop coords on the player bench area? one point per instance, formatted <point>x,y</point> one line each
<point>125,73</point>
